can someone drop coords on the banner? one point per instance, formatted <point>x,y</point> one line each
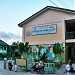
<point>48,29</point>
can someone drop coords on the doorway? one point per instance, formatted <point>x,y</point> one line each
<point>70,51</point>
<point>73,54</point>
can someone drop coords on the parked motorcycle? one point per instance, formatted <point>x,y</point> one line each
<point>10,66</point>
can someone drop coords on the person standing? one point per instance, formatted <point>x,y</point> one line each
<point>41,65</point>
<point>70,67</point>
<point>5,59</point>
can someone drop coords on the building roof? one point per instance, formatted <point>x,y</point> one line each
<point>43,10</point>
<point>2,43</point>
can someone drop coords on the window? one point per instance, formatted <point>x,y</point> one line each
<point>0,47</point>
<point>4,48</point>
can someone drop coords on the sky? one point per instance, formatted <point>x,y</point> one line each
<point>12,12</point>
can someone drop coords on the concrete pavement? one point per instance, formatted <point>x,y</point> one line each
<point>7,72</point>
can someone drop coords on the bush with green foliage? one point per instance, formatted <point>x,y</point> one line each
<point>57,51</point>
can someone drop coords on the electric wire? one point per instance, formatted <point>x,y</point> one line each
<point>57,6</point>
<point>61,3</point>
<point>53,3</point>
<point>64,3</point>
<point>64,6</point>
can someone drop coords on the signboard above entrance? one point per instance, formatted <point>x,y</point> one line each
<point>47,29</point>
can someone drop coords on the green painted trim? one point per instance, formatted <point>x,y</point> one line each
<point>42,11</point>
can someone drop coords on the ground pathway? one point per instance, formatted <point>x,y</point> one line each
<point>7,72</point>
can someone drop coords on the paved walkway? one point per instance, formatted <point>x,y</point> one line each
<point>7,72</point>
<point>62,70</point>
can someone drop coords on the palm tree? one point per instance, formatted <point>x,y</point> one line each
<point>26,47</point>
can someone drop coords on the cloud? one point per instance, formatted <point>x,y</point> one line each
<point>4,35</point>
<point>9,38</point>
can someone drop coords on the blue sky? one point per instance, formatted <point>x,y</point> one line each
<point>12,12</point>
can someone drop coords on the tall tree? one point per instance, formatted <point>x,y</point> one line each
<point>21,47</point>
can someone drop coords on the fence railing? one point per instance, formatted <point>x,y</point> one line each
<point>70,35</point>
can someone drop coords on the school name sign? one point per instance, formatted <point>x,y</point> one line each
<point>48,29</point>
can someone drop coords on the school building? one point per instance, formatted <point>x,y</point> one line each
<point>51,25</point>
